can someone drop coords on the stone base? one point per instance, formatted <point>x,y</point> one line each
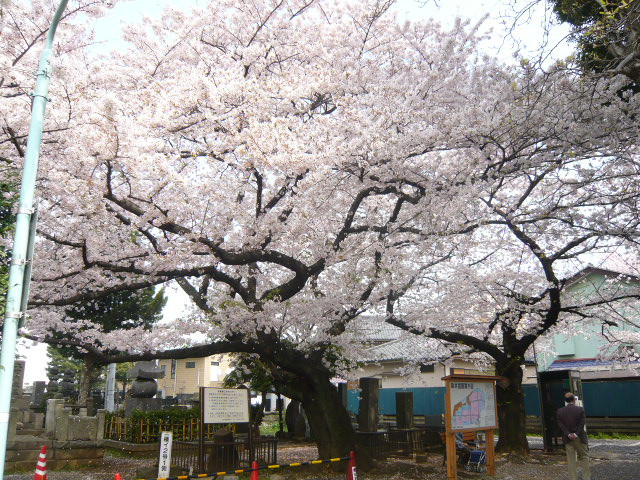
<point>22,455</point>
<point>144,404</point>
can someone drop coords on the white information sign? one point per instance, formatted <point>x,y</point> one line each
<point>226,405</point>
<point>164,462</point>
<point>473,405</point>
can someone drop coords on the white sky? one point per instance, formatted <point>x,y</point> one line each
<point>529,35</point>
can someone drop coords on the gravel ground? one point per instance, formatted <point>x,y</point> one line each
<point>611,459</point>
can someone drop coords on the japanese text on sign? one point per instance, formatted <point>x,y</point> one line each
<point>461,385</point>
<point>226,405</point>
<point>164,461</point>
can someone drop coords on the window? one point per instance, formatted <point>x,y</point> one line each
<point>214,374</point>
<point>427,368</point>
<point>190,365</point>
<point>174,365</point>
<point>471,371</point>
<point>164,370</point>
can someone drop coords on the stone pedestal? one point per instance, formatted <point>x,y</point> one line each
<point>404,409</point>
<point>368,416</point>
<point>143,404</point>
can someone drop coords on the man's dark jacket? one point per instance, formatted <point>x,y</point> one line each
<point>571,420</point>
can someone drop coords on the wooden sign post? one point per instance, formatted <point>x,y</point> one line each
<point>470,406</point>
<point>223,405</point>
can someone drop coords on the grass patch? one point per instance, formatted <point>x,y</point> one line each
<point>270,425</point>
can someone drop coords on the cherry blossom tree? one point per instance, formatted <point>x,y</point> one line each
<point>23,28</point>
<point>292,164</point>
<point>273,158</point>
<point>565,193</point>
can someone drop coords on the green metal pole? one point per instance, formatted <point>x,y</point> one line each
<point>17,281</point>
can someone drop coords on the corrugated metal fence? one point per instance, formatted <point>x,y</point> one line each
<point>601,399</point>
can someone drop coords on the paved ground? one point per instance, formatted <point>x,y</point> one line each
<point>612,459</point>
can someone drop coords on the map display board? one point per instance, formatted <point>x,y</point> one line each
<point>473,405</point>
<point>226,405</point>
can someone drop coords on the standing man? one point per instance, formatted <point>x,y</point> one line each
<point>571,420</point>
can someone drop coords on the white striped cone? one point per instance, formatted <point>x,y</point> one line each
<point>41,467</point>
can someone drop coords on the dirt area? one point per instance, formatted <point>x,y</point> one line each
<point>537,465</point>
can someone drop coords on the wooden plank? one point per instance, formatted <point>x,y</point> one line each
<point>490,449</point>
<point>450,443</point>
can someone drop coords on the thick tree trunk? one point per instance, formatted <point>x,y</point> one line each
<point>280,408</point>
<point>511,413</point>
<point>328,419</point>
<point>86,379</point>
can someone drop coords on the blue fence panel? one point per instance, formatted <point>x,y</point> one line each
<point>612,399</point>
<point>602,399</point>
<point>426,401</point>
<point>353,401</point>
<point>531,399</point>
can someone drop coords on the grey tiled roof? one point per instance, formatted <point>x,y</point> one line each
<point>407,348</point>
<point>374,330</point>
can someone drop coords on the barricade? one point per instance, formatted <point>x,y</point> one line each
<point>351,469</point>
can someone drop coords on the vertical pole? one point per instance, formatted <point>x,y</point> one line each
<point>450,439</point>
<point>491,463</point>
<point>201,436</point>
<point>109,401</point>
<point>17,280</point>
<point>251,447</point>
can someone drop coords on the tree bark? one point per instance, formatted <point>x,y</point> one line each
<point>329,420</point>
<point>280,408</point>
<point>511,412</point>
<point>89,366</point>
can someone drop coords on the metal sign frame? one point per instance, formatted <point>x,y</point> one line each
<point>201,424</point>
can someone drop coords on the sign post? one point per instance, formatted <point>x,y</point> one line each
<point>164,460</point>
<point>222,405</point>
<point>470,406</point>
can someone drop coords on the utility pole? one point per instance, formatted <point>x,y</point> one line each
<point>20,269</point>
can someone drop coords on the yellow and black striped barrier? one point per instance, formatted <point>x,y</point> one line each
<point>250,470</point>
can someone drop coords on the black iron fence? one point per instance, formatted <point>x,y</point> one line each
<point>392,442</point>
<point>225,456</point>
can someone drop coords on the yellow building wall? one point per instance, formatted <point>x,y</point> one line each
<point>187,380</point>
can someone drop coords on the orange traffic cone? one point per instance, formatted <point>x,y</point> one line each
<point>352,474</point>
<point>118,477</point>
<point>254,470</point>
<point>41,466</point>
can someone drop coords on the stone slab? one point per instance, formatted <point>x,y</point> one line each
<point>77,453</point>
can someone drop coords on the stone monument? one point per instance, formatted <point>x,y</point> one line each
<point>68,384</point>
<point>37,397</point>
<point>143,388</point>
<point>368,416</point>
<point>296,420</point>
<point>404,409</point>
